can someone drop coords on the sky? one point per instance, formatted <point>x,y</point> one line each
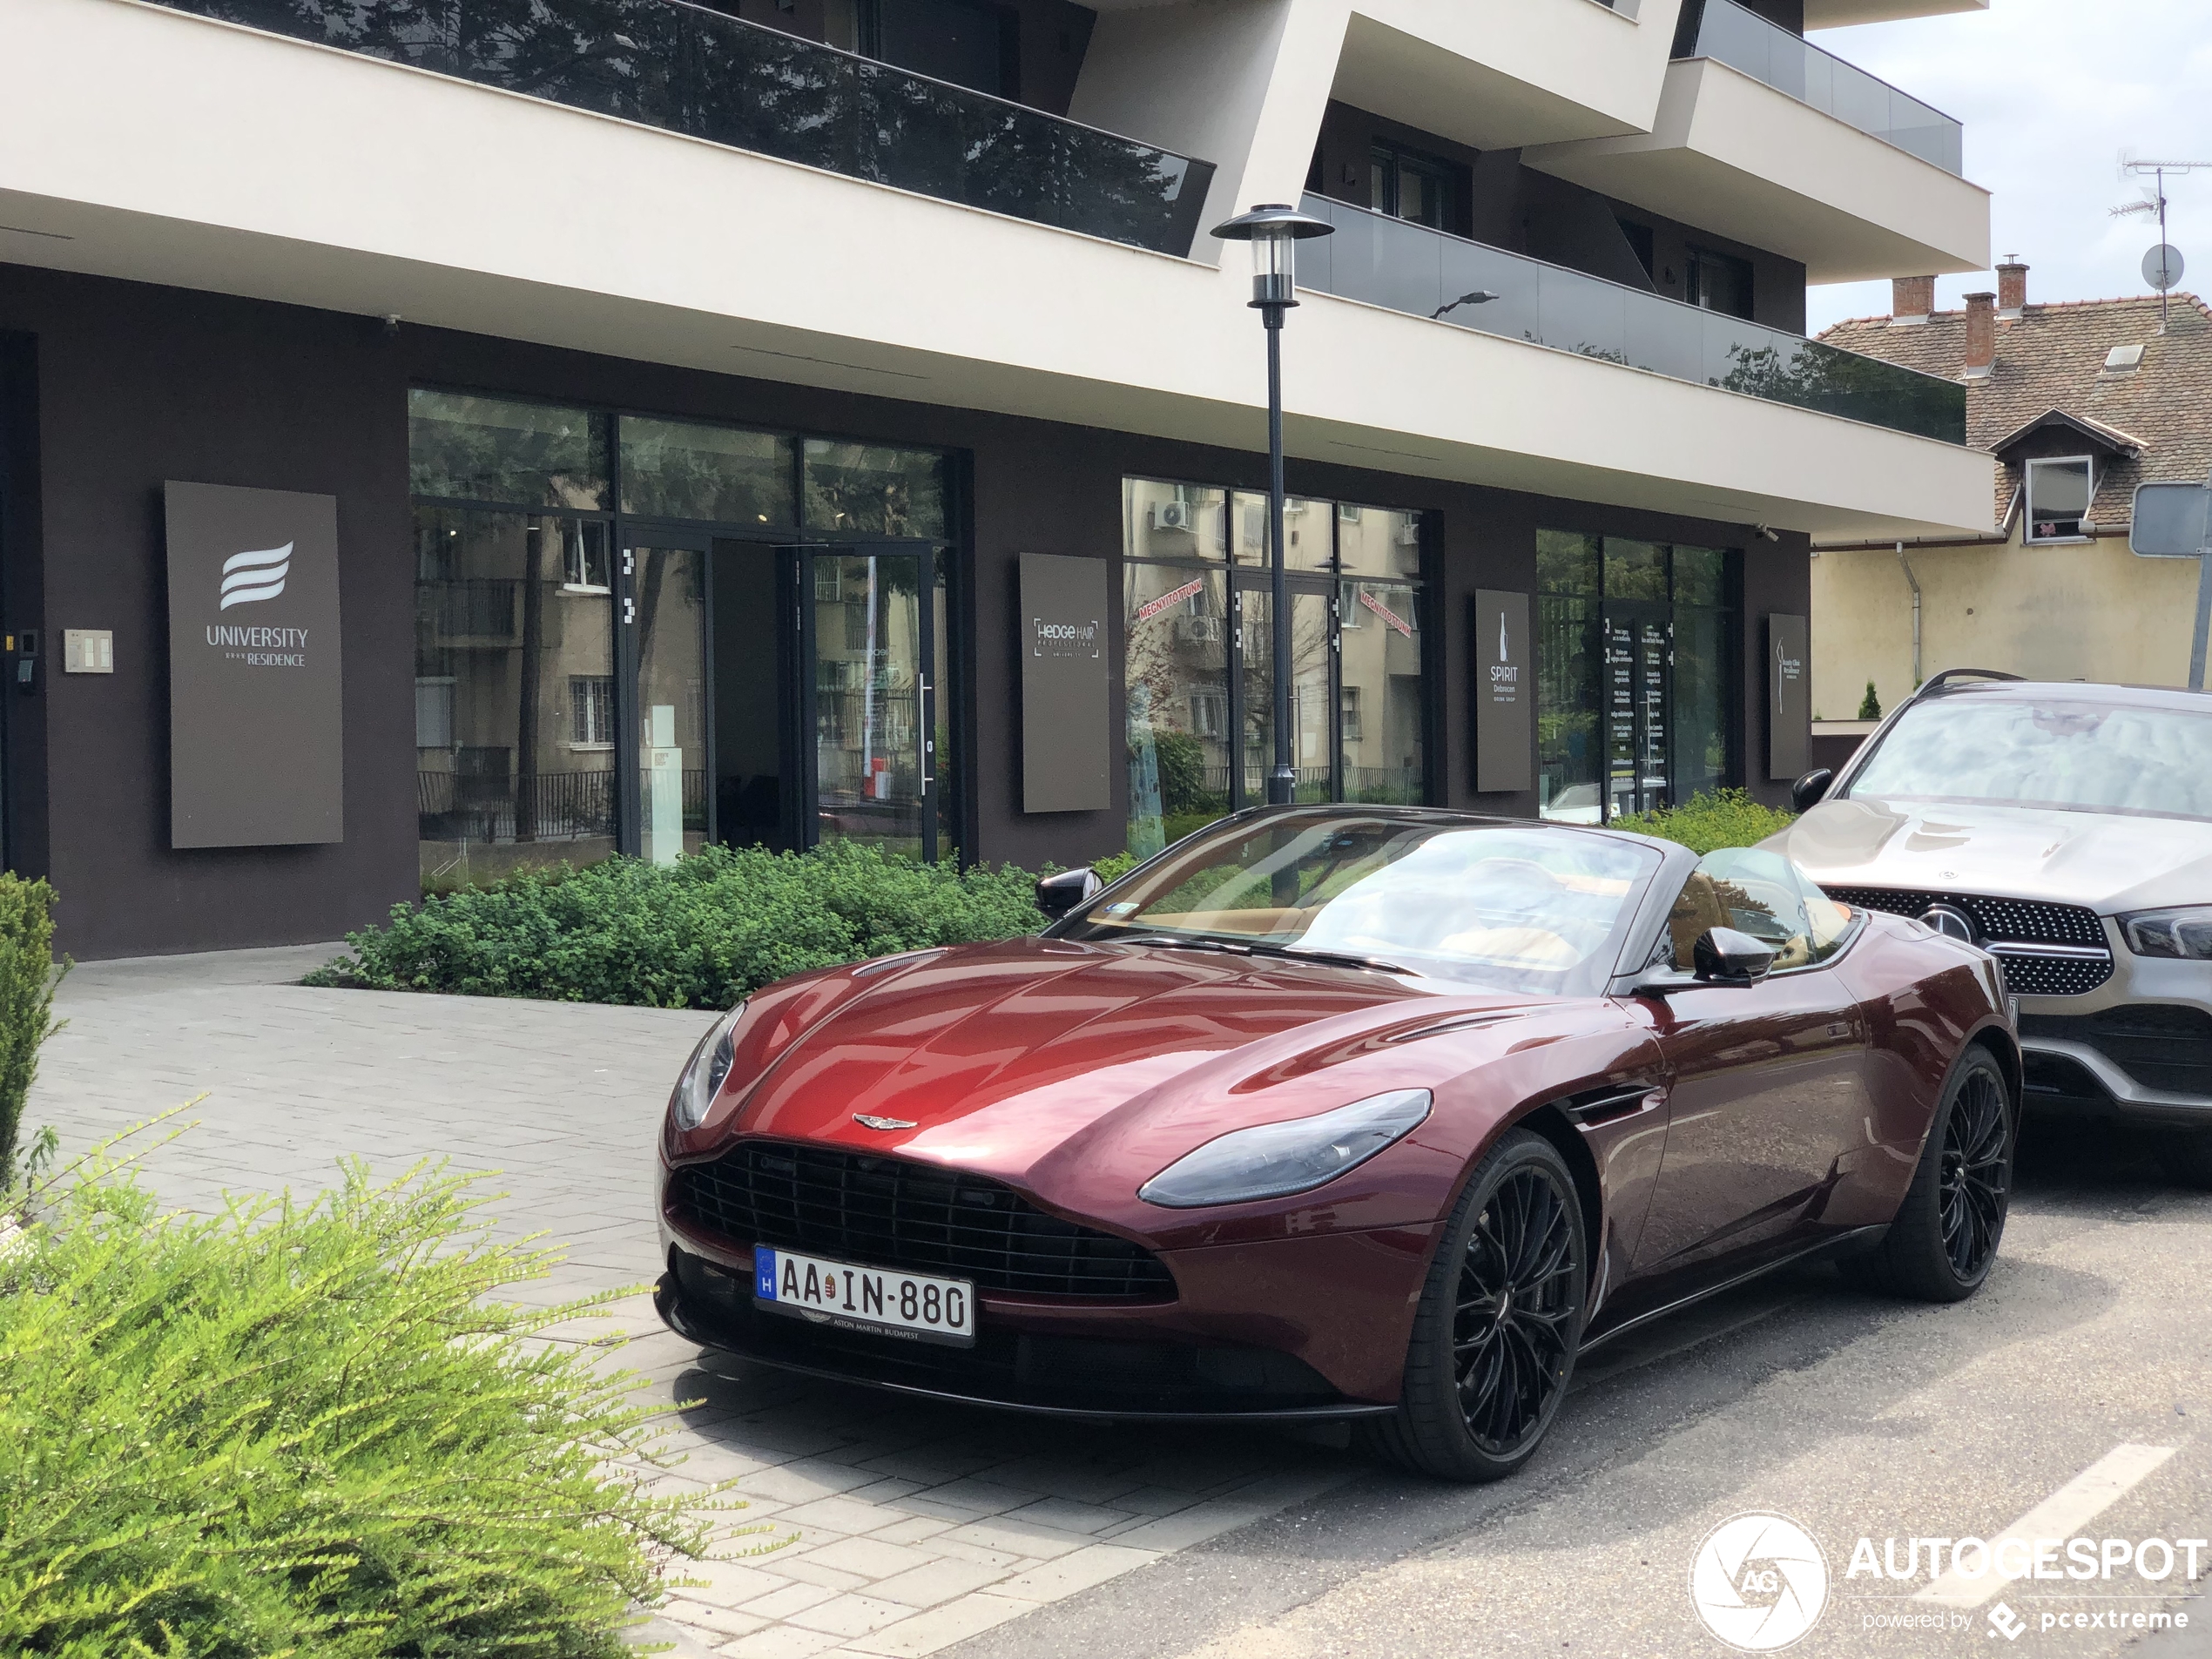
<point>2053,92</point>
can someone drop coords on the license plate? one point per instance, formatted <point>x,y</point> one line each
<point>910,1307</point>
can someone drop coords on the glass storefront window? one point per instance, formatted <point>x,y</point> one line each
<point>1169,521</point>
<point>874,489</point>
<point>1375,541</point>
<point>1175,669</point>
<point>513,667</point>
<point>868,664</point>
<point>465,447</point>
<point>685,470</point>
<point>1379,715</point>
<point>1634,674</point>
<point>1308,532</point>
<point>671,591</point>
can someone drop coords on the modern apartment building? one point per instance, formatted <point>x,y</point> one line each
<point>634,422</point>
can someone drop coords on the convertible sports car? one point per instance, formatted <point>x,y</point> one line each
<point>1337,1112</point>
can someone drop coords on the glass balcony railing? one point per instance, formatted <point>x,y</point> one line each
<point>1408,267</point>
<point>1728,33</point>
<point>669,65</point>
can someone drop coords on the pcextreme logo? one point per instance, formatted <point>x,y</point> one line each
<point>1758,1581</point>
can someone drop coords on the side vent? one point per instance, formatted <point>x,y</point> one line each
<point>1595,1106</point>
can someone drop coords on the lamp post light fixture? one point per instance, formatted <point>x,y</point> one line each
<point>1274,229</point>
<point>1480,297</point>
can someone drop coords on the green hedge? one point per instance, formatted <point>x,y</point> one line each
<point>699,934</point>
<point>27,981</point>
<point>314,1430</point>
<point>1708,822</point>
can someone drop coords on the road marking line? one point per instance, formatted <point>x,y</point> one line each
<point>2060,1515</point>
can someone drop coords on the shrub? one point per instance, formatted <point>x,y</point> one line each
<point>1870,706</point>
<point>699,934</point>
<point>287,1430</point>
<point>1707,822</point>
<point>27,982</point>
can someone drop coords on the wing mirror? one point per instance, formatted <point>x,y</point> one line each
<point>1808,789</point>
<point>1071,890</point>
<point>1722,956</point>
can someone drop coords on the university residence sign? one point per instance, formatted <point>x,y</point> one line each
<point>256,727</point>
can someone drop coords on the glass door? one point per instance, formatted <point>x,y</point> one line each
<point>665,630</point>
<point>867,623</point>
<point>1638,665</point>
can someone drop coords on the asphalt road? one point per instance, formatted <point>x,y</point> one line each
<point>1852,1416</point>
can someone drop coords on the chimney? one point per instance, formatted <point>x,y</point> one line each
<point>1911,299</point>
<point>1981,336</point>
<point>2011,288</point>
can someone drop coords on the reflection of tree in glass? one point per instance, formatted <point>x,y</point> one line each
<point>1814,377</point>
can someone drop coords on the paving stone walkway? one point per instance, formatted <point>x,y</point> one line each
<point>892,1526</point>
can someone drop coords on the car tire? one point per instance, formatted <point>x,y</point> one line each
<point>1944,1237</point>
<point>1500,1320</point>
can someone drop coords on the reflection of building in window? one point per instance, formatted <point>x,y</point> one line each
<point>591,710</point>
<point>434,713</point>
<point>584,557</point>
<point>1208,714</point>
<point>1352,728</point>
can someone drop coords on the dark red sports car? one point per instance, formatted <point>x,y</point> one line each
<point>1358,1112</point>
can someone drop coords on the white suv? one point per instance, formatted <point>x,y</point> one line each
<point>2066,829</point>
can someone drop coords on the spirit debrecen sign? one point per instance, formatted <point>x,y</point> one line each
<point>1505,692</point>
<point>1064,722</point>
<point>255,717</point>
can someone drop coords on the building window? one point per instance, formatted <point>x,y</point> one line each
<point>1200,708</point>
<point>1720,282</point>
<point>1635,675</point>
<point>1407,185</point>
<point>591,712</point>
<point>2057,498</point>
<point>434,713</point>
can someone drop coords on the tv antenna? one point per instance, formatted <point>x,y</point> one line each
<point>2162,264</point>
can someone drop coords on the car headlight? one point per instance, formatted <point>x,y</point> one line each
<point>2185,932</point>
<point>1272,1160</point>
<point>704,1072</point>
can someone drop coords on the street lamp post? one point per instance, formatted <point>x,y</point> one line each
<point>1274,229</point>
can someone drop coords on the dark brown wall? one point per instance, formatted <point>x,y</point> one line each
<point>138,384</point>
<point>22,714</point>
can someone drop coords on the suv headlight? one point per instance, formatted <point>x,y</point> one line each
<point>1273,1160</point>
<point>2185,932</point>
<point>706,1071</point>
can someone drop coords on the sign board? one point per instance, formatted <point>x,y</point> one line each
<point>2171,521</point>
<point>1505,693</point>
<point>256,726</point>
<point>1065,727</point>
<point>1789,698</point>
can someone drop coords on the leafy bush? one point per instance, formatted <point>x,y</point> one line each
<point>287,1430</point>
<point>1707,822</point>
<point>699,934</point>
<point>27,982</point>
<point>1870,706</point>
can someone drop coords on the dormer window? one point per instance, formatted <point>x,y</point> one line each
<point>2057,498</point>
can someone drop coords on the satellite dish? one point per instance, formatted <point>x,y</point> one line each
<point>2162,266</point>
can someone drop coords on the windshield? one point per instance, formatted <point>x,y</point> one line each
<point>1525,909</point>
<point>2077,756</point>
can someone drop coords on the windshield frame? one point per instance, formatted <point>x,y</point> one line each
<point>1848,786</point>
<point>1592,976</point>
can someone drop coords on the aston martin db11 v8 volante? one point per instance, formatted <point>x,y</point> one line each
<point>1378,1113</point>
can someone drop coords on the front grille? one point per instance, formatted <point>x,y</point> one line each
<point>1999,923</point>
<point>2028,921</point>
<point>888,1212</point>
<point>2158,1045</point>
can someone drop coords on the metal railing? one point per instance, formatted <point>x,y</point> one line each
<point>536,806</point>
<point>669,65</point>
<point>474,608</point>
<point>1408,267</point>
<point>1730,34</point>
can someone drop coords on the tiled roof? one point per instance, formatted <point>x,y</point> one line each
<point>2053,357</point>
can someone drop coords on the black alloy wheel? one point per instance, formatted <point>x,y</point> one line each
<point>1976,1182</point>
<point>1945,1238</point>
<point>1500,1320</point>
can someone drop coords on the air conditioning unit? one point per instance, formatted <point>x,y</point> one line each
<point>1174,515</point>
<point>1201,631</point>
<point>1409,533</point>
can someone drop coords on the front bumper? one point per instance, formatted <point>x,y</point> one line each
<point>1290,1330</point>
<point>2139,1047</point>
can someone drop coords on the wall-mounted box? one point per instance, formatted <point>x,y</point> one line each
<point>88,650</point>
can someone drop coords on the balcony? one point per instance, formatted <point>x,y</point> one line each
<point>1728,33</point>
<point>1386,261</point>
<point>682,68</point>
